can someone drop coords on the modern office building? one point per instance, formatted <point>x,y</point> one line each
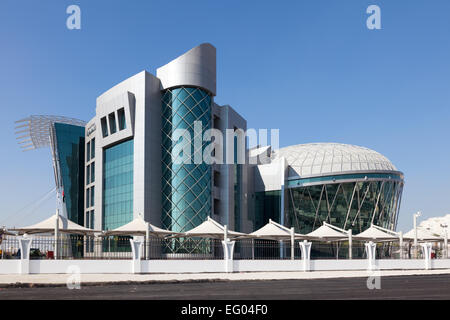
<point>344,185</point>
<point>127,165</point>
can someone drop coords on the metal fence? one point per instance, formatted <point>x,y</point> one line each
<point>118,247</point>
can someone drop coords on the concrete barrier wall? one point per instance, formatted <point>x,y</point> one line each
<point>199,266</point>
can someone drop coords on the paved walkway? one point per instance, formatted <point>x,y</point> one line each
<point>62,279</point>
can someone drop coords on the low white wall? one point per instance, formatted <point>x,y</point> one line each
<point>182,266</point>
<point>199,266</point>
<point>9,266</point>
<point>267,265</point>
<point>86,266</point>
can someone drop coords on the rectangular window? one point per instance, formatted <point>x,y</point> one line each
<point>88,172</point>
<point>112,123</point>
<point>104,127</point>
<point>87,198</point>
<point>93,148</point>
<point>92,172</point>
<point>87,224</point>
<point>92,197</point>
<point>88,151</point>
<point>92,219</point>
<point>121,116</point>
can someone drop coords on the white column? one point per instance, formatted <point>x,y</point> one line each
<point>228,250</point>
<point>55,254</point>
<point>371,250</point>
<point>426,249</point>
<point>25,244</point>
<point>305,248</point>
<point>445,245</point>
<point>350,244</point>
<point>292,243</point>
<point>401,244</point>
<point>147,242</point>
<point>136,246</point>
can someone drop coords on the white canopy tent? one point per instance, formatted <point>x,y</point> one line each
<point>275,231</point>
<point>328,232</point>
<point>139,227</point>
<point>211,229</point>
<point>56,224</point>
<point>377,234</point>
<point>422,235</point>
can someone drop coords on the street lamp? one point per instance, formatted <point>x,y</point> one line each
<point>418,214</point>
<point>444,226</point>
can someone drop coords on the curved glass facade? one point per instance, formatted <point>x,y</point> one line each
<point>186,188</point>
<point>346,204</point>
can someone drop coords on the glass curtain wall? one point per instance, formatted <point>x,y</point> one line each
<point>70,153</point>
<point>347,205</point>
<point>186,187</point>
<point>118,185</point>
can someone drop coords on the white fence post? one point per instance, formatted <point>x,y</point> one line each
<point>228,250</point>
<point>426,249</point>
<point>371,250</point>
<point>25,244</point>
<point>305,248</point>
<point>136,251</point>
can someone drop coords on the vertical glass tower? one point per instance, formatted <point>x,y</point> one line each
<point>186,188</point>
<point>118,185</point>
<point>70,153</point>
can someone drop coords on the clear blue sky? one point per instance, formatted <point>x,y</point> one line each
<point>310,68</point>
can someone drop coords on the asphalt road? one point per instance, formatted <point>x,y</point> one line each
<point>395,287</point>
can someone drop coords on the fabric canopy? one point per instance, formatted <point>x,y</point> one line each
<point>210,229</point>
<point>327,233</point>
<point>376,234</point>
<point>49,225</point>
<point>422,235</point>
<point>139,227</point>
<point>274,231</point>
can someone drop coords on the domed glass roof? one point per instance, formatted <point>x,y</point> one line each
<point>321,159</point>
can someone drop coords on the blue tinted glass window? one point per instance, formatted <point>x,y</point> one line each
<point>118,185</point>
<point>70,148</point>
<point>104,127</point>
<point>93,148</point>
<point>112,123</point>
<point>88,151</point>
<point>92,172</point>
<point>121,116</point>
<point>186,188</point>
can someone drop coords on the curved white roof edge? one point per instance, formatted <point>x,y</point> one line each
<point>326,159</point>
<point>197,68</point>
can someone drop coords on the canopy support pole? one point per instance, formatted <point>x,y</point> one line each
<point>55,256</point>
<point>147,242</point>
<point>350,244</point>
<point>401,244</point>
<point>292,243</point>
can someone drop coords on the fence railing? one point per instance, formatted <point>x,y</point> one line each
<point>79,247</point>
